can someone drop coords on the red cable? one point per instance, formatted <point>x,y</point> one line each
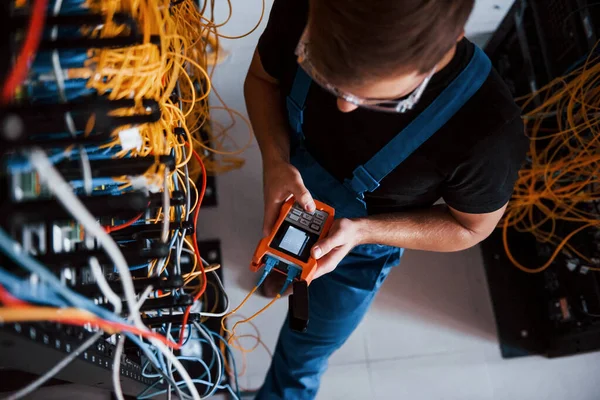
<point>186,314</point>
<point>33,37</point>
<point>8,299</point>
<point>109,229</point>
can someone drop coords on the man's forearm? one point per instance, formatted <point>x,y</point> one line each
<point>434,229</point>
<point>267,118</point>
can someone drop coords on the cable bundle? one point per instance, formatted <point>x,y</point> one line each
<point>106,127</point>
<point>557,195</point>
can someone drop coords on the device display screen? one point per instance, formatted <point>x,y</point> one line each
<point>294,241</point>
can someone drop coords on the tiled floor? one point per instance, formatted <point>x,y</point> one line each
<point>430,334</point>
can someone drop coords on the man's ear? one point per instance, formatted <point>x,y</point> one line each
<point>461,36</point>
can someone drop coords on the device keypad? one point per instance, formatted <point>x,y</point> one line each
<point>304,222</point>
<point>313,222</point>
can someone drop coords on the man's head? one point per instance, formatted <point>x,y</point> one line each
<point>382,49</point>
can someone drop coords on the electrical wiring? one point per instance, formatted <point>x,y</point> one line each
<point>33,37</point>
<point>117,305</point>
<point>216,357</point>
<point>235,310</point>
<point>198,381</point>
<point>56,369</point>
<point>243,321</point>
<point>226,310</point>
<point>195,244</point>
<point>61,189</point>
<point>94,228</point>
<point>70,316</point>
<point>556,190</point>
<point>104,286</point>
<point>233,372</point>
<point>115,228</point>
<point>9,300</point>
<point>87,170</point>
<point>170,369</point>
<point>166,208</point>
<point>217,354</point>
<point>80,316</point>
<point>171,63</point>
<point>116,370</point>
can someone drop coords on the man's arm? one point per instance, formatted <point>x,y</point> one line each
<point>440,228</point>
<point>280,178</point>
<point>262,95</point>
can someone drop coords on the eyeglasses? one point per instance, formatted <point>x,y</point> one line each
<point>385,105</point>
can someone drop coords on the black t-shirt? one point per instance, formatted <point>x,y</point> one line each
<point>472,162</point>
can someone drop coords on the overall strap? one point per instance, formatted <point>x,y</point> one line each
<point>296,100</point>
<point>367,177</point>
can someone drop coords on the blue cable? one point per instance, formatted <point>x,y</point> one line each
<point>270,263</point>
<point>75,299</point>
<point>230,353</point>
<point>199,381</point>
<point>148,388</point>
<point>201,362</point>
<point>22,289</point>
<point>17,163</point>
<point>237,393</point>
<point>292,273</point>
<point>138,267</point>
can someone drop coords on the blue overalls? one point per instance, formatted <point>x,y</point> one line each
<point>339,300</point>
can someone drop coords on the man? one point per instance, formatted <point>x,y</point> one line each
<point>378,108</point>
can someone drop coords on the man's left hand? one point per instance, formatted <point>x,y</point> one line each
<point>343,236</point>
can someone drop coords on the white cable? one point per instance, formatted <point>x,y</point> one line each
<point>180,394</point>
<point>55,12</point>
<point>188,197</point>
<point>144,296</point>
<point>107,291</point>
<point>179,251</point>
<point>59,77</point>
<point>223,313</point>
<point>56,369</point>
<point>211,342</point>
<point>116,371</point>
<point>83,157</point>
<point>86,168</point>
<point>169,368</point>
<point>168,354</point>
<point>178,366</point>
<point>166,208</point>
<point>170,371</point>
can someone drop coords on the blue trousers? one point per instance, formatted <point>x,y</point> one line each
<point>337,302</point>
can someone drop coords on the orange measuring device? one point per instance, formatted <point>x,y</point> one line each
<point>292,238</point>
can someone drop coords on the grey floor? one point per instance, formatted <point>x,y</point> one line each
<point>430,334</point>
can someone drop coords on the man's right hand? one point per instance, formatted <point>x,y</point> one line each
<point>281,179</point>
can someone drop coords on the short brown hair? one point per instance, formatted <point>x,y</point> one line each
<point>354,41</point>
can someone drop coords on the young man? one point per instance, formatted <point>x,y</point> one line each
<point>378,108</point>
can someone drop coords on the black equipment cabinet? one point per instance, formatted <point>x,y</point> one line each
<point>557,312</point>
